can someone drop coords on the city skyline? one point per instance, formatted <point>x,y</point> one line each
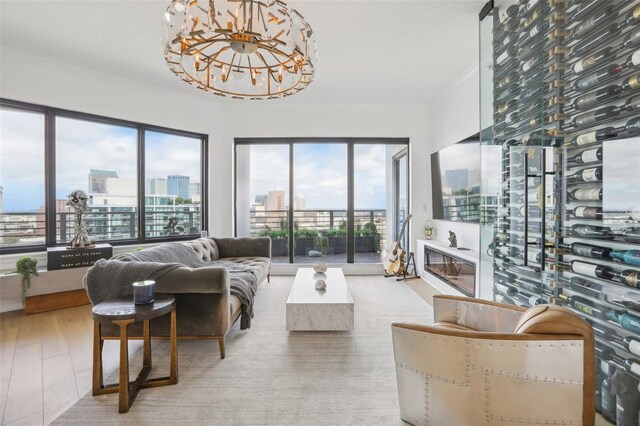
<point>320,174</point>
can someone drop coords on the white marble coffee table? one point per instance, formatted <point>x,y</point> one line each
<point>311,309</point>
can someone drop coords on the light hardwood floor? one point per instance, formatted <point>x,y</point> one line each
<point>45,363</point>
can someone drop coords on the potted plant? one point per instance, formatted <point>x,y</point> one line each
<point>26,267</point>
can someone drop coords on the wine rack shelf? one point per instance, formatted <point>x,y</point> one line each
<point>565,110</point>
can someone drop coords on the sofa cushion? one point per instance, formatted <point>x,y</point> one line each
<point>206,248</point>
<point>258,264</point>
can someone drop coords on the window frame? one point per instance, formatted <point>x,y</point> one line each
<point>350,142</point>
<point>50,115</point>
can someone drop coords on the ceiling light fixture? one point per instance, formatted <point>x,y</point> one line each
<point>244,49</point>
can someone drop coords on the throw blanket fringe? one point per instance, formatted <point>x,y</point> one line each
<point>108,279</point>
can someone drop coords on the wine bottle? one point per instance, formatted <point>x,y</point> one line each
<point>595,20</point>
<point>631,82</point>
<point>588,250</point>
<point>531,19</point>
<point>500,298</point>
<point>633,16</point>
<point>633,125</point>
<point>532,49</point>
<point>585,212</point>
<point>528,301</point>
<point>585,306</point>
<point>625,320</point>
<point>588,288</point>
<point>535,287</point>
<point>632,38</point>
<point>594,59</point>
<point>513,184</point>
<point>511,77</point>
<point>589,118</point>
<point>608,334</point>
<point>595,78</point>
<point>508,13</point>
<point>632,104</point>
<point>505,289</point>
<point>587,100</point>
<point>530,64</point>
<point>589,231</point>
<point>594,136</point>
<point>511,52</point>
<point>534,33</point>
<point>591,194</point>
<point>591,174</point>
<point>533,92</point>
<point>631,235</point>
<point>631,257</point>
<point>606,33</point>
<point>530,211</point>
<point>509,92</point>
<point>608,400</point>
<point>505,107</point>
<point>627,396</point>
<point>583,8</point>
<point>592,270</point>
<point>512,118</point>
<point>532,78</point>
<point>532,108</point>
<point>633,60</point>
<point>588,156</point>
<point>504,277</point>
<point>628,277</point>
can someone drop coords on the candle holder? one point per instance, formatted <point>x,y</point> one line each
<point>428,230</point>
<point>144,292</point>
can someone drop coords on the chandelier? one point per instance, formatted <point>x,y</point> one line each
<point>245,49</point>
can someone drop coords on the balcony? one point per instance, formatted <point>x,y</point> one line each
<point>28,228</point>
<point>321,235</point>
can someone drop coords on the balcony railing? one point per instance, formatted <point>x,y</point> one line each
<point>320,230</point>
<point>26,228</point>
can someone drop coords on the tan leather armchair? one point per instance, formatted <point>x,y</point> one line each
<point>487,363</point>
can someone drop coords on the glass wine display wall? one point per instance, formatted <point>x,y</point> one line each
<point>566,112</point>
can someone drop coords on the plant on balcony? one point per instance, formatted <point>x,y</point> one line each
<point>321,243</point>
<point>26,267</point>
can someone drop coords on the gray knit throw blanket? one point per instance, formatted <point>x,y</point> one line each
<point>108,279</point>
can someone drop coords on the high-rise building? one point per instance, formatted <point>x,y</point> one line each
<point>275,200</point>
<point>178,185</point>
<point>98,180</point>
<point>261,200</point>
<point>1,199</point>
<point>298,202</point>
<point>156,186</point>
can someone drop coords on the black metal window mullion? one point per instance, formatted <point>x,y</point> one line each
<point>142,190</point>
<point>291,222</point>
<point>50,178</point>
<point>351,241</point>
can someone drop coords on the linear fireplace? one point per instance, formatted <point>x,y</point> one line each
<point>458,273</point>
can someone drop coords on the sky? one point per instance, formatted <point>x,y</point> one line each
<point>81,146</point>
<point>320,174</point>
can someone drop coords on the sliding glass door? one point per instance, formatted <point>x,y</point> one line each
<point>339,194</point>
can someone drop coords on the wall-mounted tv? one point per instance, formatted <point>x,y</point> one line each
<point>455,180</point>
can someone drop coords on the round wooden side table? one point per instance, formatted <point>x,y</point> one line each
<point>122,312</point>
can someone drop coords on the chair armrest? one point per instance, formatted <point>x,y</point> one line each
<point>244,247</point>
<point>481,315</point>
<point>208,279</point>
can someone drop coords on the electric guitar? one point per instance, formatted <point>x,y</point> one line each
<point>395,264</point>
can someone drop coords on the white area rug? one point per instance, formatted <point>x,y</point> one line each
<point>272,376</point>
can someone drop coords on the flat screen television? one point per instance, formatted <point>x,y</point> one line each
<point>455,181</point>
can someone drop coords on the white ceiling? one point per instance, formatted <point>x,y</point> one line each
<point>370,52</point>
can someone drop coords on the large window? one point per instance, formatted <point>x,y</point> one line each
<point>22,183</point>
<point>173,188</point>
<point>100,159</point>
<point>340,194</point>
<point>47,153</point>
